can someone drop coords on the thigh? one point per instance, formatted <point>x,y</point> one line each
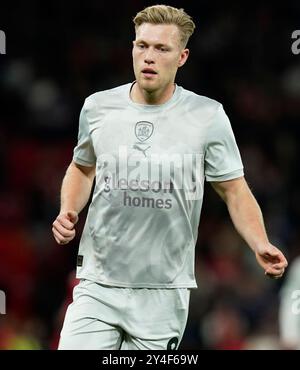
<point>158,320</point>
<point>87,324</point>
<point>89,334</point>
<point>135,343</point>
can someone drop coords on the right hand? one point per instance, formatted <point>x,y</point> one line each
<point>63,227</point>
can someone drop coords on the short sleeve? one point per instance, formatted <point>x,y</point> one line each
<point>222,157</point>
<point>84,151</point>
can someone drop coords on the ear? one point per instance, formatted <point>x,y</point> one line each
<point>183,57</point>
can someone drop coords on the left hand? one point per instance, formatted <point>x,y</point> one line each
<point>272,260</point>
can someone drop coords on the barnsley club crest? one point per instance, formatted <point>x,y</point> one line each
<point>143,130</point>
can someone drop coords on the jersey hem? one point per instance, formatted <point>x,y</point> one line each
<point>139,285</point>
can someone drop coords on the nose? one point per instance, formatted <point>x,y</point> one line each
<point>149,56</point>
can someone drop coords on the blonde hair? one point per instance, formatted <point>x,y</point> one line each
<point>165,14</point>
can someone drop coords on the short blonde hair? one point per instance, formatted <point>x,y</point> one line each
<point>165,14</point>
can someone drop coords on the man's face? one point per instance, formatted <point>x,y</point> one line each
<point>157,54</point>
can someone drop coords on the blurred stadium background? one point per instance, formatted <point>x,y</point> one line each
<point>60,52</point>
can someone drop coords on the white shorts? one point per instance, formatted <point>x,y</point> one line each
<point>109,318</point>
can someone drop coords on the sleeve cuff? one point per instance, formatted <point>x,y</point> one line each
<point>224,177</point>
<point>83,162</point>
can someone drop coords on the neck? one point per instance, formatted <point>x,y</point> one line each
<point>142,96</point>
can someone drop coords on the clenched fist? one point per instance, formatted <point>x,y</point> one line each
<point>63,227</point>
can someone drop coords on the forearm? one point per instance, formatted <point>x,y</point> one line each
<point>76,189</point>
<point>247,217</point>
<point>248,220</point>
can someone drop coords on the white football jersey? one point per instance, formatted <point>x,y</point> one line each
<point>151,162</point>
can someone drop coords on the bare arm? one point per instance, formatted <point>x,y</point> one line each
<point>76,187</point>
<point>75,193</point>
<point>248,220</point>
